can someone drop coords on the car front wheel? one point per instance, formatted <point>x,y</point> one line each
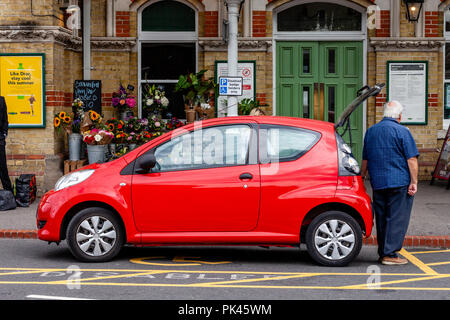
<point>95,235</point>
<point>334,239</point>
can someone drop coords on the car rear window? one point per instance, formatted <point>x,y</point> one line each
<point>284,143</point>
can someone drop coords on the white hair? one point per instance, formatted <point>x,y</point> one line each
<point>392,109</point>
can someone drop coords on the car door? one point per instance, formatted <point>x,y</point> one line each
<point>204,180</point>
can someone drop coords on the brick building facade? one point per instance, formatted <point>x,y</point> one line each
<point>122,40</point>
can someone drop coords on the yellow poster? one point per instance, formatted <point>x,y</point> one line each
<point>22,85</point>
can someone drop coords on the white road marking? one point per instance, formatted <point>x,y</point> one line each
<point>36,296</point>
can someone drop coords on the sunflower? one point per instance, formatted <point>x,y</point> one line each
<point>111,126</point>
<point>67,119</point>
<point>94,115</point>
<point>62,115</point>
<point>57,122</point>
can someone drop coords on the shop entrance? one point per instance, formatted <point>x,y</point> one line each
<point>318,79</point>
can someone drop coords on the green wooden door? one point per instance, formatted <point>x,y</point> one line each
<point>317,80</point>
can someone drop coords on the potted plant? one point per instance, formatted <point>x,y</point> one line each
<point>96,136</point>
<point>70,125</point>
<point>195,89</point>
<point>250,107</point>
<point>124,102</point>
<point>155,100</point>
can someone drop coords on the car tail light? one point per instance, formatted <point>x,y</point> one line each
<point>348,165</point>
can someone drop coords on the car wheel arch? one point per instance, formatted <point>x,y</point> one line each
<point>326,207</point>
<point>84,205</point>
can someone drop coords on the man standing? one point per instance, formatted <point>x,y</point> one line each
<point>390,156</point>
<point>4,177</point>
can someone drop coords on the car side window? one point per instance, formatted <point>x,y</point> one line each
<point>205,148</point>
<point>284,143</point>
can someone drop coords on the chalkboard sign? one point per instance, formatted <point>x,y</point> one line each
<point>90,92</point>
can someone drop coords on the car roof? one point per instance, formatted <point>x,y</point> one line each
<point>277,120</point>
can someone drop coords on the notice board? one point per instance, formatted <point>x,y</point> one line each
<point>408,84</point>
<point>90,92</point>
<point>246,70</point>
<point>22,83</point>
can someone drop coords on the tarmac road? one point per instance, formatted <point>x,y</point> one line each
<point>33,270</point>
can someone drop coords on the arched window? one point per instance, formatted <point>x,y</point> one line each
<point>319,16</point>
<point>168,16</point>
<point>167,48</point>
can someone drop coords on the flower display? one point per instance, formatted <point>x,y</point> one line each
<point>155,100</point>
<point>64,121</point>
<point>173,123</point>
<point>123,100</point>
<point>97,136</point>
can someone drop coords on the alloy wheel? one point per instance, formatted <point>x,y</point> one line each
<point>334,239</point>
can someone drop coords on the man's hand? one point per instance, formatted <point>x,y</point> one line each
<point>412,189</point>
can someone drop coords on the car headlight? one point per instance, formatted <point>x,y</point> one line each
<point>73,178</point>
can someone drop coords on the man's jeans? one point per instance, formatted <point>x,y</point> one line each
<point>392,212</point>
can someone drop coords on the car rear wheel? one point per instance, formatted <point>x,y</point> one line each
<point>333,239</point>
<point>95,235</point>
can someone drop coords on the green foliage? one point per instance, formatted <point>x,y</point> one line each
<point>246,105</point>
<point>194,87</point>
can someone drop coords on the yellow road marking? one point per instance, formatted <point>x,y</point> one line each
<point>435,251</point>
<point>253,280</point>
<point>183,259</point>
<point>20,272</point>
<point>438,263</point>
<point>422,266</point>
<point>177,261</point>
<point>372,285</point>
<point>106,277</point>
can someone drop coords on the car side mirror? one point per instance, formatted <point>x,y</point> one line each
<point>145,163</point>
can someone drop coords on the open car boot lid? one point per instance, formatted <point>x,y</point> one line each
<point>362,94</point>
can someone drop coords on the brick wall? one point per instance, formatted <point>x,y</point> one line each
<point>211,19</point>
<point>259,23</point>
<point>122,23</point>
<point>431,23</point>
<point>385,24</point>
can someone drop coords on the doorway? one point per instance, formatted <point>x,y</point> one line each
<point>318,79</point>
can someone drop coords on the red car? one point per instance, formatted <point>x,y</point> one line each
<point>249,180</point>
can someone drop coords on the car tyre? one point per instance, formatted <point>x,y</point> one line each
<point>333,239</point>
<point>95,235</point>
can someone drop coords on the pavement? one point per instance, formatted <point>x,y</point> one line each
<point>429,225</point>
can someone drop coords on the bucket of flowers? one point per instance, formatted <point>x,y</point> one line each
<point>96,136</point>
<point>124,102</point>
<point>70,125</point>
<point>155,100</point>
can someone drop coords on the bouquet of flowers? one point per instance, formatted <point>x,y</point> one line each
<point>155,124</point>
<point>155,100</point>
<point>173,123</point>
<point>123,100</point>
<point>97,136</point>
<point>63,121</point>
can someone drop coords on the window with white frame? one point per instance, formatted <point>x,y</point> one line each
<point>167,49</point>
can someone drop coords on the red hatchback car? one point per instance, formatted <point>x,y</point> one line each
<point>237,180</point>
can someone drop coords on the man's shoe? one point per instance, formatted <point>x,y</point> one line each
<point>392,261</point>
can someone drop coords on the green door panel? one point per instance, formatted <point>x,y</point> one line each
<point>318,80</point>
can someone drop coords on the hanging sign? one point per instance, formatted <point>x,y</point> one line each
<point>408,85</point>
<point>90,92</point>
<point>246,71</point>
<point>442,168</point>
<point>22,83</point>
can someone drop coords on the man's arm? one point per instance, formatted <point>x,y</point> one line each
<point>413,166</point>
<point>363,169</point>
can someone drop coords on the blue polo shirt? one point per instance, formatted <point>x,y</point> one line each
<point>387,147</point>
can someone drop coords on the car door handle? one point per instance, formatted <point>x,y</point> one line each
<point>245,176</point>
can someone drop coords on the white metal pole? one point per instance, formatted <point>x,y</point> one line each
<point>86,39</point>
<point>109,18</point>
<point>233,16</point>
